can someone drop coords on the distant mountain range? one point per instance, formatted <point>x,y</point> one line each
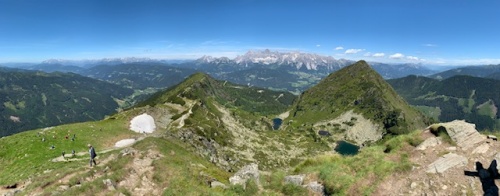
<point>139,75</point>
<point>486,71</point>
<point>298,61</point>
<point>291,71</point>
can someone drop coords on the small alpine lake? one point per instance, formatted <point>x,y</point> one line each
<point>277,123</point>
<point>345,148</point>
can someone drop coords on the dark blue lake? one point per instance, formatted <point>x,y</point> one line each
<point>277,123</point>
<point>346,148</point>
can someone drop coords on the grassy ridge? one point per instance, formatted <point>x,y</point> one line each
<point>201,86</point>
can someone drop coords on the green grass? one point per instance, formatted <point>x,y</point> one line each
<point>360,174</point>
<point>431,112</point>
<point>486,109</point>
<point>25,154</point>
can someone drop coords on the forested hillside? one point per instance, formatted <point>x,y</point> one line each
<point>460,97</point>
<point>35,99</point>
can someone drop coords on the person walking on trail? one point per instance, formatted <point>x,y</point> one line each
<point>92,155</point>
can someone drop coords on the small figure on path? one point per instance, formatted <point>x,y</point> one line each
<point>63,153</point>
<point>92,155</point>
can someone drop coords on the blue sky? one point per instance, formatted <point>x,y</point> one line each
<point>436,32</point>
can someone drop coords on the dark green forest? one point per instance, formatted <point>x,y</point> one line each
<point>41,99</point>
<point>473,99</point>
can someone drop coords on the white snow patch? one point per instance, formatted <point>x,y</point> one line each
<point>125,142</point>
<point>143,123</point>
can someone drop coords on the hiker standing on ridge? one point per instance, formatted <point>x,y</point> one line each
<point>92,155</point>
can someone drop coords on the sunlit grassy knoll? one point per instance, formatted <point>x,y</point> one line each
<point>25,155</point>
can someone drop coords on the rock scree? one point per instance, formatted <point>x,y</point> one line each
<point>244,174</point>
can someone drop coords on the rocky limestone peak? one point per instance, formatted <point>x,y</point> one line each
<point>299,60</point>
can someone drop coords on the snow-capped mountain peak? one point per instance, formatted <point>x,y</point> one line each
<point>297,59</point>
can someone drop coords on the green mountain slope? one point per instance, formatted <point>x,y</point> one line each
<point>222,119</point>
<point>360,89</point>
<point>35,99</point>
<point>204,87</point>
<point>207,129</point>
<point>459,97</point>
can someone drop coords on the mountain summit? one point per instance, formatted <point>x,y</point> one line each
<point>354,94</point>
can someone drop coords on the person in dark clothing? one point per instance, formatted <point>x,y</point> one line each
<point>92,155</point>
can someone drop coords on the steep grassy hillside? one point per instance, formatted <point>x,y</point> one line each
<point>459,97</point>
<point>31,100</point>
<point>358,88</point>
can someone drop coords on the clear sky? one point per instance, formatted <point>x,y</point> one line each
<point>438,32</point>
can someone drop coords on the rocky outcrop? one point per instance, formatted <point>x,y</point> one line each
<point>295,179</point>
<point>358,129</point>
<point>429,142</point>
<point>316,187</point>
<point>446,162</point>
<point>108,183</point>
<point>244,174</point>
<point>463,134</point>
<point>215,184</point>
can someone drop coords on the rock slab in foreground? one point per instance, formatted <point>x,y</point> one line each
<point>244,174</point>
<point>316,188</point>
<point>446,162</point>
<point>463,134</point>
